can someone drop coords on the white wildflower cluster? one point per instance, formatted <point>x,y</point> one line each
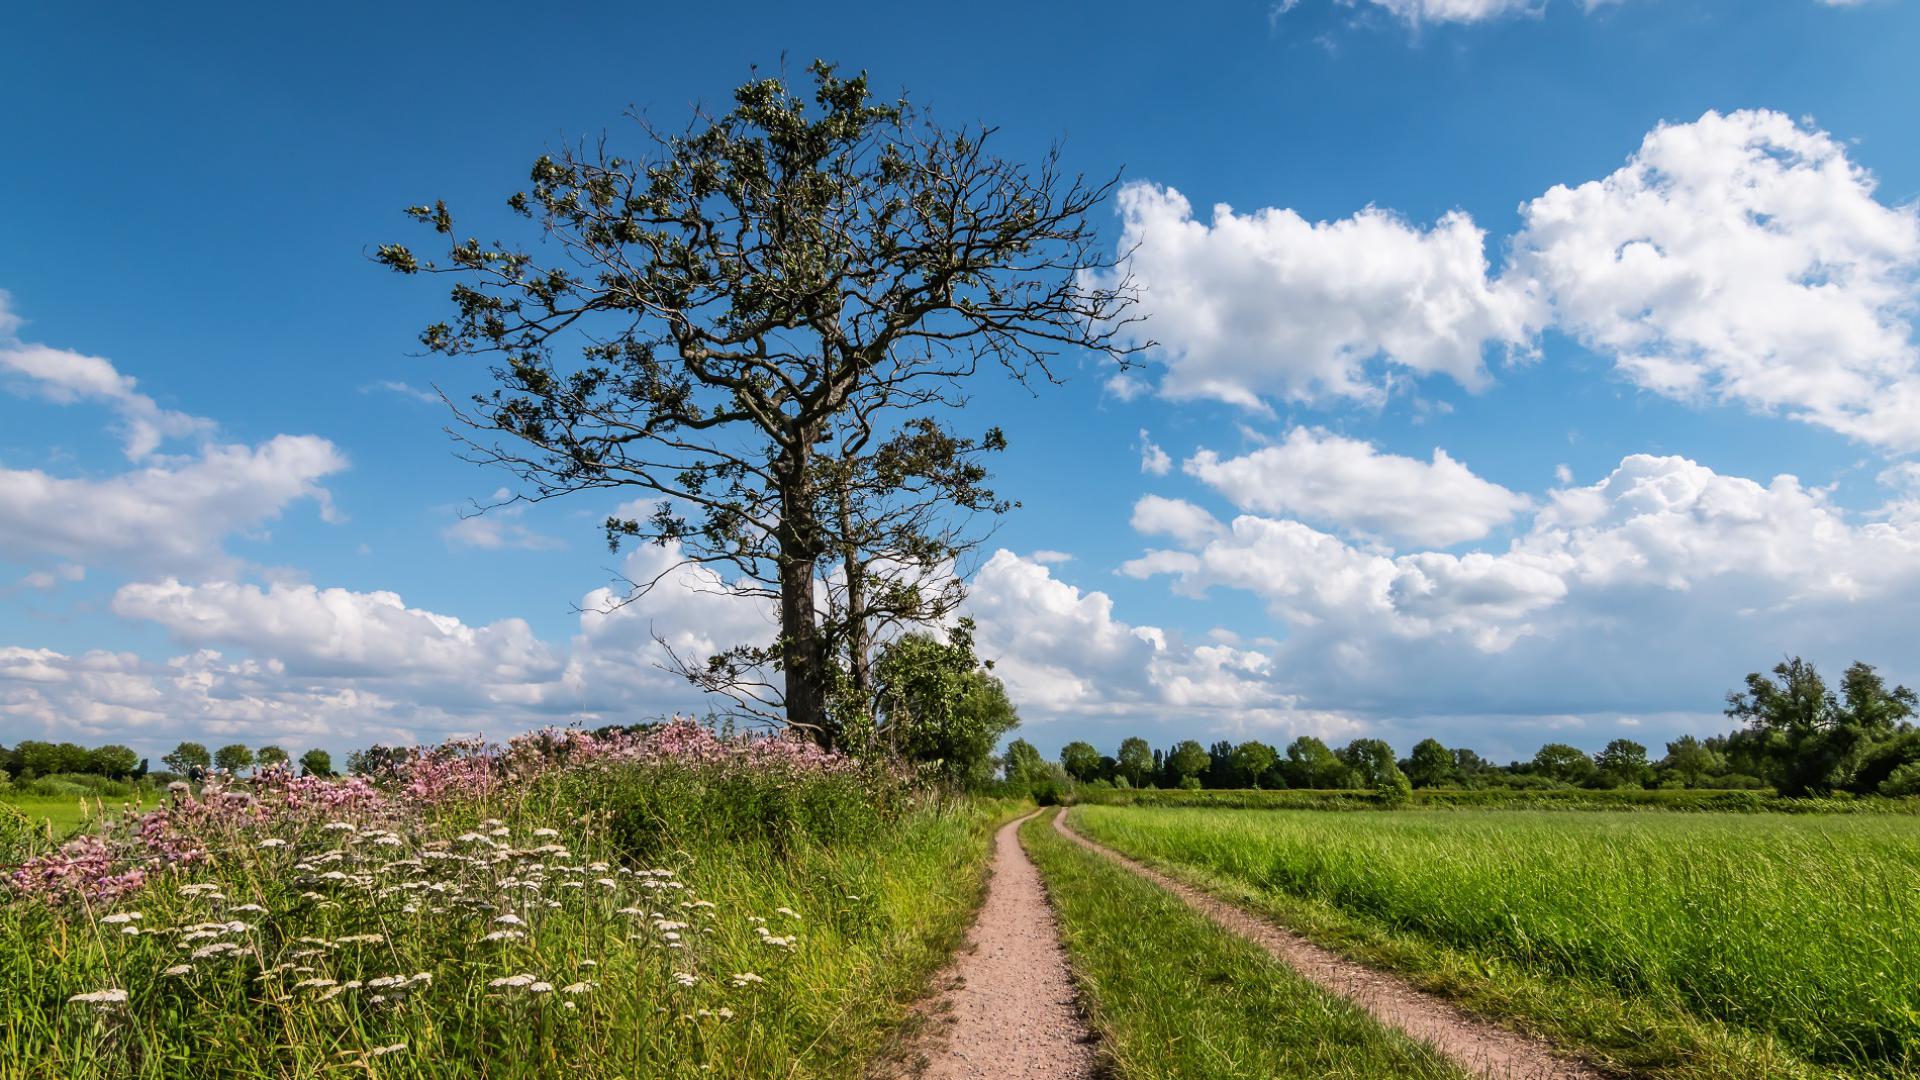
<point>788,942</point>
<point>375,885</point>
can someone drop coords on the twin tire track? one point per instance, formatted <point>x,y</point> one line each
<point>1010,1007</point>
<point>1481,1048</point>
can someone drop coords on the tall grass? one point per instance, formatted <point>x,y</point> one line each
<point>1804,929</point>
<point>630,919</point>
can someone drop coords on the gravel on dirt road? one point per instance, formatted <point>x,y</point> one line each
<point>1010,1012</point>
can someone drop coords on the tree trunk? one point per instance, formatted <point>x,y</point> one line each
<point>799,626</point>
<point>859,645</point>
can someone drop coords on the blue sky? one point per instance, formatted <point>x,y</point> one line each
<point>1615,374</point>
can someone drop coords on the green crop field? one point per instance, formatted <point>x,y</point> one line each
<point>1666,944</point>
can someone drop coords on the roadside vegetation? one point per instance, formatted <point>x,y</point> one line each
<point>662,904</point>
<point>1173,995</point>
<point>1669,945</point>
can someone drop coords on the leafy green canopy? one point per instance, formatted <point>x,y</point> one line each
<point>939,708</point>
<point>1811,741</point>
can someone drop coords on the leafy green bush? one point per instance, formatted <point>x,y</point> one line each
<point>55,788</point>
<point>1904,781</point>
<point>80,785</point>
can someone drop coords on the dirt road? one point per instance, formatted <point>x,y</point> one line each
<point>1009,1012</point>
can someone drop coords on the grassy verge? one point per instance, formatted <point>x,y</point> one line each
<point>1677,947</point>
<point>1173,995</point>
<point>520,937</point>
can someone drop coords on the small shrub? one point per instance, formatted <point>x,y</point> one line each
<point>1904,781</point>
<point>1394,789</point>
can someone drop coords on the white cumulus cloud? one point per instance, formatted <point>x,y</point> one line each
<point>1320,476</point>
<point>1186,523</point>
<point>347,668</point>
<point>173,515</point>
<point>1741,258</point>
<point>1153,460</point>
<point>1063,653</point>
<point>337,632</point>
<point>1620,595</point>
<point>1270,304</point>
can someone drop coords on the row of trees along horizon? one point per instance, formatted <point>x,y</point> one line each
<point>1799,738</point>
<point>67,769</point>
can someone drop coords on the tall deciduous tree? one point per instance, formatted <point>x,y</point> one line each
<point>1081,760</point>
<point>756,325</point>
<point>1136,760</point>
<point>1430,764</point>
<point>936,705</point>
<point>1024,763</point>
<point>1312,764</point>
<point>113,761</point>
<point>187,757</point>
<point>1690,760</point>
<point>1811,740</point>
<point>1187,761</point>
<point>233,758</point>
<point>1563,762</point>
<point>1253,761</point>
<point>1623,763</point>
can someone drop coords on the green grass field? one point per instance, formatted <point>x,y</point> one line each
<point>65,813</point>
<point>1668,944</point>
<point>1174,996</point>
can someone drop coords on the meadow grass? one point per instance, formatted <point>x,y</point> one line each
<point>1672,945</point>
<point>65,813</point>
<point>1173,995</point>
<point>743,923</point>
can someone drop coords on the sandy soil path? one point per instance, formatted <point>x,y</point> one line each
<point>1481,1048</point>
<point>1009,1010</point>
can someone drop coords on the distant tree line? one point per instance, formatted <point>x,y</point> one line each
<point>941,709</point>
<point>1799,737</point>
<point>32,759</point>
